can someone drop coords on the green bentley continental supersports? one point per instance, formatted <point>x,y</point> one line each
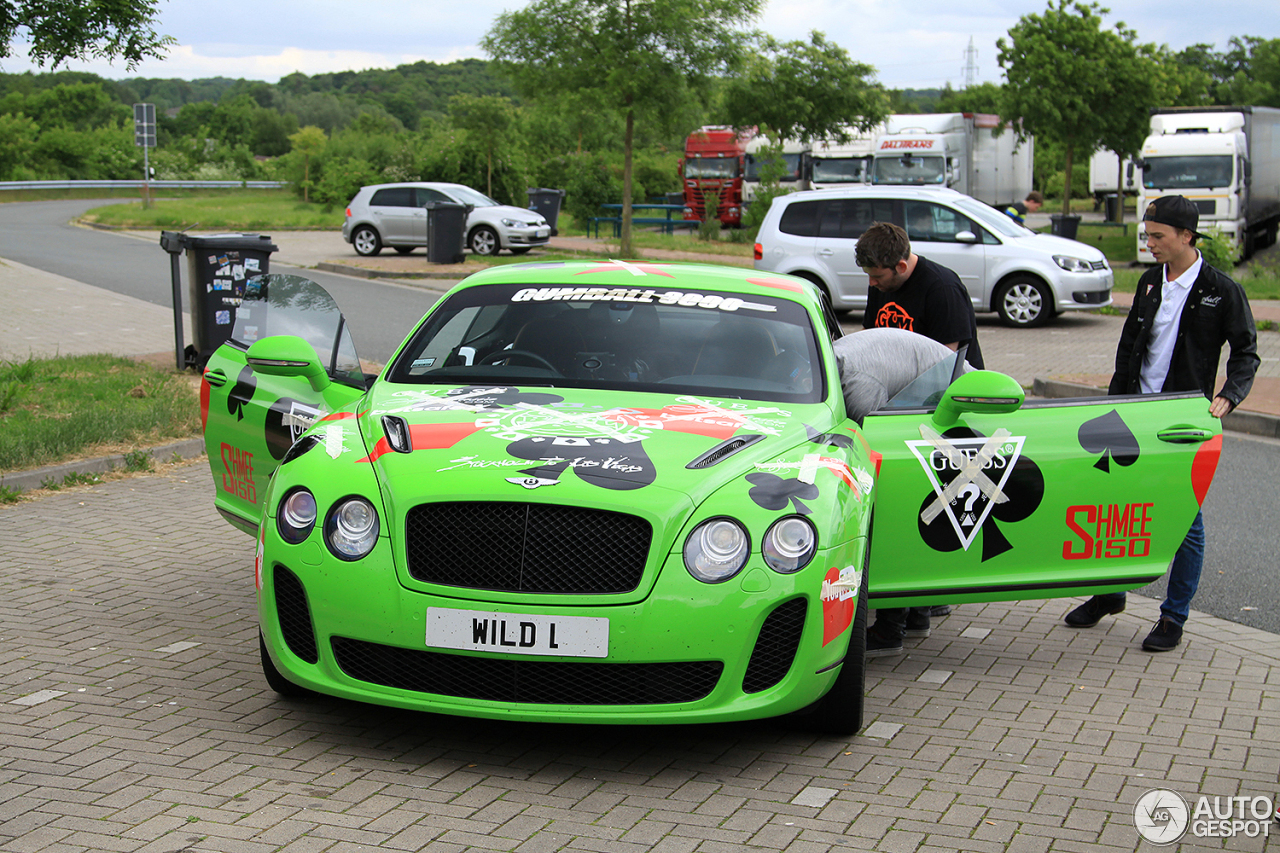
<point>614,492</point>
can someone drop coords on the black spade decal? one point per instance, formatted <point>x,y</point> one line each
<point>600,461</point>
<point>773,492</point>
<point>1024,488</point>
<point>241,392</point>
<point>286,421</point>
<point>1109,435</point>
<point>828,439</point>
<point>489,397</point>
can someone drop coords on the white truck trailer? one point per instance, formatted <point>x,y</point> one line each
<point>1109,176</point>
<point>1226,160</point>
<point>969,152</point>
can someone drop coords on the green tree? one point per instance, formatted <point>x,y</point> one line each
<point>490,119</point>
<point>1058,83</point>
<point>980,98</point>
<point>62,30</point>
<point>643,57</point>
<point>309,142</point>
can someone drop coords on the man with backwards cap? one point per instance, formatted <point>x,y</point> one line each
<point>1183,312</point>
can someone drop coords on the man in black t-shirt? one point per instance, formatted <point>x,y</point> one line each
<point>913,293</point>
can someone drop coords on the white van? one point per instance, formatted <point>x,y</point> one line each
<point>1023,276</point>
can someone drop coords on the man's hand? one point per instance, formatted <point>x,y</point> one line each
<point>1220,406</point>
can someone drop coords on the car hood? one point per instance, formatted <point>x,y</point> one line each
<point>573,446</point>
<point>499,212</point>
<point>1052,245</point>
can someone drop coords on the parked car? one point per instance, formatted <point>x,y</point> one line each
<point>394,215</point>
<point>1023,276</point>
<point>612,492</point>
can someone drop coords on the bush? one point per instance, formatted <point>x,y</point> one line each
<point>341,180</point>
<point>1079,182</point>
<point>1218,251</point>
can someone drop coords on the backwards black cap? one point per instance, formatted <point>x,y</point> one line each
<point>1174,210</point>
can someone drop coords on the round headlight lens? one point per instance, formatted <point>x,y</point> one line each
<point>352,528</point>
<point>716,550</point>
<point>789,544</point>
<point>297,515</point>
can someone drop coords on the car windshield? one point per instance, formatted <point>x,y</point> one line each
<point>790,166</point>
<point>844,170</point>
<point>659,340</point>
<point>1182,173</point>
<point>466,195</point>
<point>1001,223</point>
<point>710,167</point>
<point>908,169</point>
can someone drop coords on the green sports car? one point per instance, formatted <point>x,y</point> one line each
<point>616,492</point>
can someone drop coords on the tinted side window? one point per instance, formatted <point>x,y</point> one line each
<point>849,217</point>
<point>800,219</point>
<point>936,223</point>
<point>425,195</point>
<point>393,197</point>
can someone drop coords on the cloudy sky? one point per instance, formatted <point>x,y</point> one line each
<point>918,44</point>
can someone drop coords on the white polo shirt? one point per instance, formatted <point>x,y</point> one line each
<point>1164,330</point>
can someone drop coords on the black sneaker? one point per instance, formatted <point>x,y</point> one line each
<point>1164,637</point>
<point>1091,612</point>
<point>917,623</point>
<point>879,645</point>
<point>940,610</point>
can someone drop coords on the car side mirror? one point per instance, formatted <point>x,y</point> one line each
<point>966,237</point>
<point>983,392</point>
<point>287,355</point>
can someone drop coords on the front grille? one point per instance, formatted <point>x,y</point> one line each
<point>517,547</point>
<point>525,681</point>
<point>1097,265</point>
<point>1206,206</point>
<point>776,646</point>
<point>294,615</point>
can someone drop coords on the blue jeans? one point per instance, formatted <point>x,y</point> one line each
<point>1184,576</point>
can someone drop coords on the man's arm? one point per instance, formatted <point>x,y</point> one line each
<point>1242,363</point>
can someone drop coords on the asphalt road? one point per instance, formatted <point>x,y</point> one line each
<point>1242,513</point>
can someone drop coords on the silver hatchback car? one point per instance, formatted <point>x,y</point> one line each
<point>1023,276</point>
<point>394,215</point>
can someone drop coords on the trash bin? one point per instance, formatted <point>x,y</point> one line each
<point>1064,225</point>
<point>446,231</point>
<point>218,265</point>
<point>547,202</point>
<point>1112,206</point>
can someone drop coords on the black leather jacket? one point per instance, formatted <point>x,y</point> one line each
<point>1216,312</point>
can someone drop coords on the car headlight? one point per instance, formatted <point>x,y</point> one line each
<point>716,550</point>
<point>351,530</point>
<point>789,544</point>
<point>297,515</point>
<point>515,223</point>
<point>1071,264</point>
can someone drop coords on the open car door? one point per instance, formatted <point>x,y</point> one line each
<point>289,362</point>
<point>984,496</point>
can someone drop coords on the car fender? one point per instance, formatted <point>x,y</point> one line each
<point>1009,267</point>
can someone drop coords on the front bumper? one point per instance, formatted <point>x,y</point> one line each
<point>1082,291</point>
<point>759,645</point>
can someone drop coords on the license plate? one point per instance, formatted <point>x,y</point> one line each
<point>517,633</point>
<point>543,232</point>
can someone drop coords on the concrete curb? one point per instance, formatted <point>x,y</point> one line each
<point>402,277</point>
<point>33,479</point>
<point>1251,423</point>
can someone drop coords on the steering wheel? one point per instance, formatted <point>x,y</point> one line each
<point>506,354</point>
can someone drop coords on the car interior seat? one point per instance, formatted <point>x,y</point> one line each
<point>736,346</point>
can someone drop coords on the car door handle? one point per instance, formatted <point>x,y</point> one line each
<point>1185,435</point>
<point>826,253</point>
<point>216,378</point>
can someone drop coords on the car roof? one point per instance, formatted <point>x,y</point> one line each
<point>933,193</point>
<point>643,275</point>
<point>427,184</point>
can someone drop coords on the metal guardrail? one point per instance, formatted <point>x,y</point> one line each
<point>162,185</point>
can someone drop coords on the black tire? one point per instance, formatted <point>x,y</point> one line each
<point>840,712</point>
<point>365,241</point>
<point>403,250</point>
<point>484,241</point>
<point>1024,302</point>
<point>275,680</point>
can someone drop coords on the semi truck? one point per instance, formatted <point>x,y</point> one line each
<point>840,164</point>
<point>714,165</point>
<point>973,153</point>
<point>1226,160</point>
<point>795,158</point>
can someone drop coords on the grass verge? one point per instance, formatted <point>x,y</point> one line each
<point>242,210</point>
<point>56,409</point>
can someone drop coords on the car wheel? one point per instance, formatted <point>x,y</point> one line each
<point>366,241</point>
<point>484,241</point>
<point>275,680</point>
<point>403,250</point>
<point>1024,302</point>
<point>521,250</point>
<point>840,711</point>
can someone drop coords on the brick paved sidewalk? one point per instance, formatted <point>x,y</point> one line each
<point>136,719</point>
